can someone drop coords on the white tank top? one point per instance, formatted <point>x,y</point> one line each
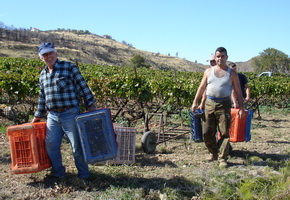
<point>219,87</point>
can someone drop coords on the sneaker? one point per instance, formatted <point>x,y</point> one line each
<point>213,157</point>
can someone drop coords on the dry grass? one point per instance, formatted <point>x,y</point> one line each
<point>175,171</point>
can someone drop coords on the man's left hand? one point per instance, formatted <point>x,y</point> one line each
<point>242,113</point>
<point>92,107</point>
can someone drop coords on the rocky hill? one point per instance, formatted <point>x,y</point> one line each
<point>90,48</point>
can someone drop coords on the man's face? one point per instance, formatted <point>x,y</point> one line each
<point>212,63</point>
<point>50,58</point>
<point>221,58</point>
<point>234,68</point>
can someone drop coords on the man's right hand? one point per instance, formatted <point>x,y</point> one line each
<point>235,105</point>
<point>193,107</point>
<point>35,119</point>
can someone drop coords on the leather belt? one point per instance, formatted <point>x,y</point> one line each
<point>61,109</point>
<point>219,99</point>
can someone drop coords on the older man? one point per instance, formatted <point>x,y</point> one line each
<point>61,88</point>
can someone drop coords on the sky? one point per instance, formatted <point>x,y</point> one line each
<point>189,29</point>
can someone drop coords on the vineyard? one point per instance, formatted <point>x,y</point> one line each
<point>258,169</point>
<point>129,92</point>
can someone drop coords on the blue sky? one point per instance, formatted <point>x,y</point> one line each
<point>191,28</point>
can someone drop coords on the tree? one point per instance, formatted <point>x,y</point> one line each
<point>272,60</point>
<point>139,61</point>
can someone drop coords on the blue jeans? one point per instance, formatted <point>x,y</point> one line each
<point>58,124</point>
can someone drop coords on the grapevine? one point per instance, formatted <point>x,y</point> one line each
<point>131,92</point>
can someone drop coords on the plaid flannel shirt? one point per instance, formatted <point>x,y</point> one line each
<point>63,87</point>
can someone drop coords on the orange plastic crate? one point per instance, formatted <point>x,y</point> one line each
<point>27,148</point>
<point>238,126</point>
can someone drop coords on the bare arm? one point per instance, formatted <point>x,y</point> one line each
<point>247,99</point>
<point>234,99</point>
<point>200,90</point>
<point>238,91</point>
<point>201,105</point>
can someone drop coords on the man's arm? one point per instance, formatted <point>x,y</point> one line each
<point>248,96</point>
<point>41,108</point>
<point>200,90</point>
<point>201,105</point>
<point>83,89</point>
<point>238,91</point>
<point>234,99</point>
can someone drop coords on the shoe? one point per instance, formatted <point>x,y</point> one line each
<point>54,176</point>
<point>223,163</point>
<point>85,181</point>
<point>213,157</point>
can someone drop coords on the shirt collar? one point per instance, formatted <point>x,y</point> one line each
<point>54,66</point>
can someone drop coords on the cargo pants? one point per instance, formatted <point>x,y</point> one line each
<point>217,117</point>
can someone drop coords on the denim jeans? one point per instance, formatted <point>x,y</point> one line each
<point>58,124</point>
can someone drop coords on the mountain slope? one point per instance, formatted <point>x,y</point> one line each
<point>88,48</point>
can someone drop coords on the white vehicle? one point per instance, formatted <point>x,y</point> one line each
<point>269,74</point>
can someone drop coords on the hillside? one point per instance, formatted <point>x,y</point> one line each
<point>90,48</point>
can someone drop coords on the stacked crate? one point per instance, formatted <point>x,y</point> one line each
<point>27,147</point>
<point>126,140</point>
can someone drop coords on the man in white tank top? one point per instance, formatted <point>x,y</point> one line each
<point>218,81</point>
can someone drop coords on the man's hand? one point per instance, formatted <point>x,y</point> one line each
<point>235,105</point>
<point>36,119</point>
<point>92,107</point>
<point>246,100</point>
<point>193,107</point>
<point>201,106</point>
<point>242,113</point>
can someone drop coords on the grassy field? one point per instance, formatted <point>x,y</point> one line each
<point>259,169</point>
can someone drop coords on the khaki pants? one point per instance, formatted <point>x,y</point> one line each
<point>217,117</point>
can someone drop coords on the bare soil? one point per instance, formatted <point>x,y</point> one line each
<point>180,163</point>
